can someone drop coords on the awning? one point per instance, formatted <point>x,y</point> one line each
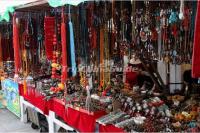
<point>8,6</point>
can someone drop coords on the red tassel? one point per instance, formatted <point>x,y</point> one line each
<point>16,45</point>
<point>64,49</point>
<point>49,26</point>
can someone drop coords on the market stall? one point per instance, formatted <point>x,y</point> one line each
<point>106,66</point>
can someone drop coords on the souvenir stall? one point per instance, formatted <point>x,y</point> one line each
<point>106,66</point>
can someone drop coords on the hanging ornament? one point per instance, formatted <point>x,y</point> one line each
<point>61,86</point>
<point>72,47</point>
<point>16,45</point>
<point>56,48</point>
<point>181,14</point>
<point>101,57</point>
<point>49,26</point>
<point>64,48</point>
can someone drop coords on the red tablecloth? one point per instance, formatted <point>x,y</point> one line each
<point>58,107</point>
<point>110,128</point>
<point>84,122</point>
<point>81,121</point>
<point>35,98</point>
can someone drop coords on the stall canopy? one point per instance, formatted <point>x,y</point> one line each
<point>8,6</point>
<point>56,3</point>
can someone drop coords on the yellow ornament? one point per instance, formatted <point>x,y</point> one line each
<point>54,65</point>
<point>61,86</point>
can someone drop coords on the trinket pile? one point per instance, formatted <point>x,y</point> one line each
<point>154,115</point>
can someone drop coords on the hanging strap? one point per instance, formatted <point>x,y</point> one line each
<point>72,47</point>
<point>49,29</point>
<point>24,62</point>
<point>84,30</point>
<point>16,45</point>
<point>40,38</point>
<point>113,26</point>
<point>92,31</point>
<point>101,57</point>
<point>106,65</point>
<point>64,48</point>
<point>25,53</point>
<point>133,19</point>
<point>194,10</point>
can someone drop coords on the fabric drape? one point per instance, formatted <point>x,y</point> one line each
<point>196,48</point>
<point>64,49</point>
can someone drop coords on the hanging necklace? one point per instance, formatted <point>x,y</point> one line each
<point>101,57</point>
<point>56,48</point>
<point>133,19</point>
<point>106,52</point>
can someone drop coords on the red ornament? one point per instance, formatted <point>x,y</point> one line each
<point>16,45</point>
<point>64,48</point>
<point>54,69</point>
<point>53,72</point>
<point>52,89</point>
<point>49,26</point>
<point>54,43</point>
<point>53,76</point>
<point>54,57</point>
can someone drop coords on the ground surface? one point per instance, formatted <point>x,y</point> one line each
<point>11,123</point>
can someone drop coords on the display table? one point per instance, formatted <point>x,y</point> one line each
<point>73,117</point>
<point>78,119</point>
<point>70,118</point>
<point>37,102</point>
<point>24,104</point>
<point>35,98</point>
